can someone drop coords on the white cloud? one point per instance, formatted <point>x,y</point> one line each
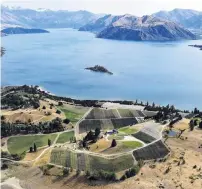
<point>136,7</point>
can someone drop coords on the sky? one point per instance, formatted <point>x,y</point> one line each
<point>116,7</point>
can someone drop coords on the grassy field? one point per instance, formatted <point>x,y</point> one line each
<point>182,124</point>
<point>132,144</point>
<point>128,130</point>
<point>65,137</point>
<point>118,136</point>
<point>19,144</point>
<point>73,113</point>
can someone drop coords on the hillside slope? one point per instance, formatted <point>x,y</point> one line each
<point>146,28</point>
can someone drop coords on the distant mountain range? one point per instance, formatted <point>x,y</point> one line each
<point>186,17</point>
<point>159,26</point>
<point>11,17</point>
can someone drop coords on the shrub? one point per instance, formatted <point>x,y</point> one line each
<point>3,117</point>
<point>65,171</point>
<point>58,112</point>
<point>60,103</point>
<point>113,143</point>
<point>66,121</point>
<point>123,177</point>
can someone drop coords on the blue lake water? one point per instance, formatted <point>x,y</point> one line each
<point>166,73</point>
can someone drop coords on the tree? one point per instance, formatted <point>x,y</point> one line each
<point>113,143</point>
<point>58,112</point>
<point>89,136</point>
<point>123,177</point>
<point>3,117</point>
<point>49,142</point>
<point>191,125</point>
<point>65,171</point>
<point>31,149</point>
<point>60,103</point>
<point>66,121</point>
<point>200,125</point>
<point>195,122</point>
<point>35,148</point>
<point>196,111</point>
<point>97,132</point>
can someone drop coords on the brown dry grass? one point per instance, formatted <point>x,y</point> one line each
<point>44,159</point>
<point>34,155</point>
<point>100,145</point>
<point>183,124</point>
<point>35,115</point>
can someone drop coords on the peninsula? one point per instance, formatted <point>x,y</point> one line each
<point>197,46</point>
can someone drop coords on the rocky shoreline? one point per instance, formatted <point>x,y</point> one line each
<point>197,46</point>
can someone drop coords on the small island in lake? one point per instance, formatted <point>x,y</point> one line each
<point>197,46</point>
<point>98,68</point>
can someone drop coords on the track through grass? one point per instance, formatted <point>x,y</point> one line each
<point>65,137</point>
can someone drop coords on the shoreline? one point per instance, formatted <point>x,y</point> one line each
<point>96,102</point>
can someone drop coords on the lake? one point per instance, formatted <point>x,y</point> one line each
<point>160,72</point>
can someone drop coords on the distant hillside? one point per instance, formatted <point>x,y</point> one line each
<point>19,30</point>
<point>28,18</point>
<point>100,24</point>
<point>146,28</point>
<point>186,17</point>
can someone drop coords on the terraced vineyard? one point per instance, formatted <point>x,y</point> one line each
<point>63,157</point>
<point>73,113</point>
<point>115,165</point>
<point>131,113</point>
<point>144,137</point>
<point>84,162</point>
<point>97,113</point>
<point>122,122</point>
<point>154,151</point>
<point>105,124</point>
<point>149,113</point>
<point>87,125</point>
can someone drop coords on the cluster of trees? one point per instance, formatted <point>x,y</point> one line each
<point>73,140</point>
<point>175,120</point>
<point>196,111</point>
<point>33,149</point>
<point>193,123</point>
<point>16,101</point>
<point>132,172</point>
<point>101,175</point>
<point>91,137</point>
<point>8,129</point>
<point>15,157</point>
